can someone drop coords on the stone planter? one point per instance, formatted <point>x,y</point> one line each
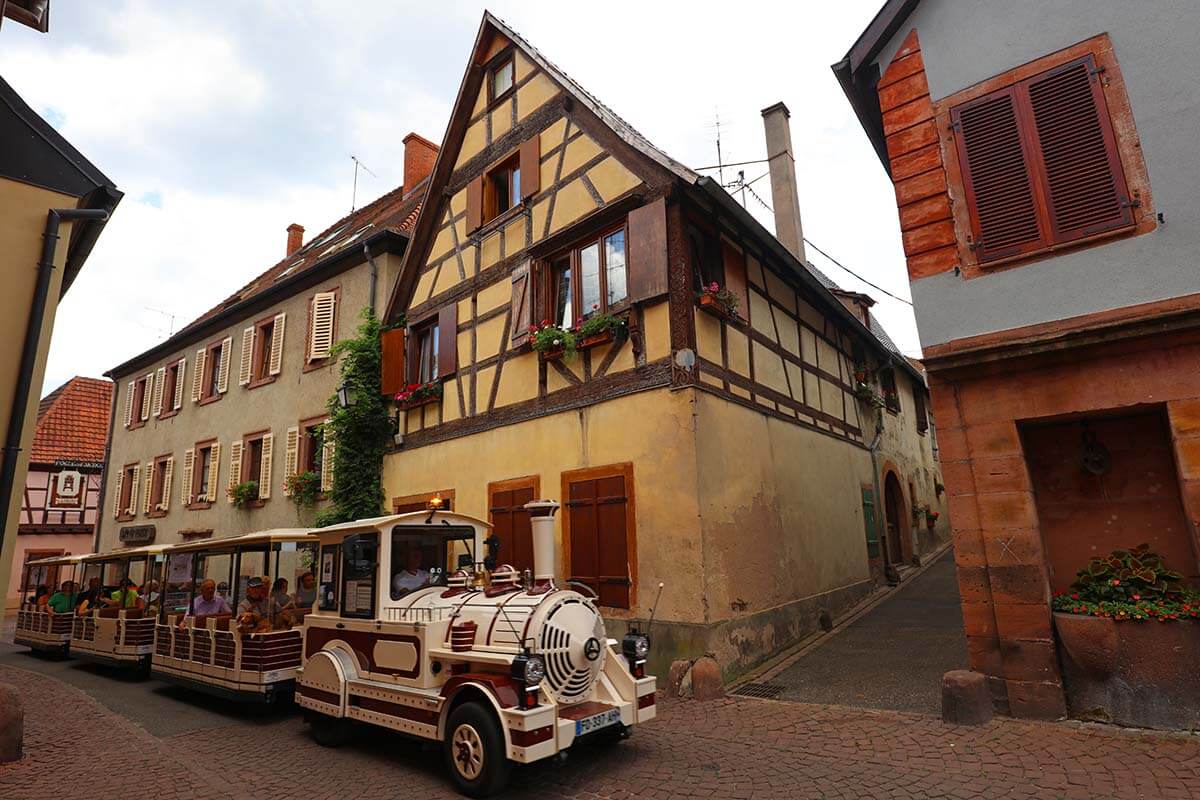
<point>1139,674</point>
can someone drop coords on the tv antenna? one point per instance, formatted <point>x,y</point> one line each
<point>354,192</point>
<point>720,166</point>
<point>170,319</point>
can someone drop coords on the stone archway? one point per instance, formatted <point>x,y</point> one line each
<point>895,518</point>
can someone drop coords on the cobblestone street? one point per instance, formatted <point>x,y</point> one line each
<point>76,746</point>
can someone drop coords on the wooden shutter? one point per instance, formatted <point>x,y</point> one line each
<point>276,363</point>
<point>521,304</point>
<point>214,472</point>
<point>412,359</point>
<point>327,456</point>
<point>160,377</point>
<point>120,484</point>
<point>474,204</point>
<point>223,376</point>
<point>291,456</point>
<point>320,336</point>
<point>264,471</point>
<point>135,481</point>
<point>129,404</point>
<point>511,525</point>
<point>735,276</point>
<point>198,375</point>
<point>919,408</point>
<point>168,473</point>
<point>147,395</point>
<point>447,340</point>
<point>180,373</point>
<point>646,251</point>
<point>147,487</point>
<point>868,503</point>
<point>531,166</point>
<point>1004,211</point>
<point>599,538</point>
<point>392,371</point>
<point>247,355</point>
<point>235,465</point>
<point>1081,171</point>
<point>189,469</point>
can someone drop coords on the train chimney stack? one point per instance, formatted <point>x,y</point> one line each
<point>541,523</point>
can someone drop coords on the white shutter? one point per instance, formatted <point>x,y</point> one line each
<point>117,494</point>
<point>129,404</point>
<point>180,371</point>
<point>291,455</point>
<point>223,376</point>
<point>276,362</point>
<point>147,393</point>
<point>320,337</point>
<point>235,465</point>
<point>160,377</point>
<point>214,472</point>
<point>136,482</point>
<point>148,485</point>
<point>247,355</point>
<point>198,375</point>
<point>264,470</point>
<point>168,473</point>
<point>327,449</point>
<point>189,468</point>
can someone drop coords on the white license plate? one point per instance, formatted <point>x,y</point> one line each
<point>597,721</point>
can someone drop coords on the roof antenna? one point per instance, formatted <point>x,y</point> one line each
<point>720,166</point>
<point>354,192</point>
<point>168,315</point>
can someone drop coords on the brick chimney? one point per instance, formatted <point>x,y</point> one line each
<point>295,238</point>
<point>419,155</point>
<point>784,198</point>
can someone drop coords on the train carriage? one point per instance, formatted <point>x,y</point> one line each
<point>223,653</point>
<point>417,629</point>
<point>120,632</point>
<point>38,626</point>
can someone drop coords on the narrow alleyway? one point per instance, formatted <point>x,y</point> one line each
<point>891,657</point>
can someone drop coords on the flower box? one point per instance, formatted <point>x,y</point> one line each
<point>711,305</point>
<point>595,340</point>
<point>553,354</point>
<point>420,402</point>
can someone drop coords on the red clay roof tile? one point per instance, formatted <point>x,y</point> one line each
<point>72,423</point>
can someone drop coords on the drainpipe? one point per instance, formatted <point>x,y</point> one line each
<point>33,334</point>
<point>374,277</point>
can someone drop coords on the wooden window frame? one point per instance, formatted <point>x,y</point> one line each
<point>592,473</point>
<point>429,326</point>
<point>510,164</point>
<point>168,401</point>
<point>157,477</point>
<point>304,447</point>
<point>141,386</point>
<point>890,375</point>
<point>549,292</point>
<point>212,371</point>
<point>196,504</point>
<point>321,363</point>
<point>1120,121</point>
<point>128,486</point>
<point>260,356</point>
<point>246,473</point>
<point>423,499</point>
<point>921,408</point>
<point>505,56</point>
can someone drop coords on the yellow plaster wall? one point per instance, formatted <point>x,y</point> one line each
<point>534,94</point>
<point>611,179</point>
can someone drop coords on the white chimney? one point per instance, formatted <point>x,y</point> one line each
<point>782,162</point>
<point>541,524</point>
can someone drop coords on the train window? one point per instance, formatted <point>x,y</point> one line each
<point>251,563</point>
<point>137,572</point>
<point>421,558</point>
<point>294,560</point>
<point>111,575</point>
<point>327,597</point>
<point>360,560</point>
<point>218,567</point>
<point>177,590</point>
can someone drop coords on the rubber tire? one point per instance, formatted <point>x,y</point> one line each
<point>494,775</point>
<point>331,731</point>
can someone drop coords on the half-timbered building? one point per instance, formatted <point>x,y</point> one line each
<point>723,452</point>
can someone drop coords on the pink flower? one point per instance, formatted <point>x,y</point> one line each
<point>595,306</point>
<point>1116,582</point>
<point>545,323</point>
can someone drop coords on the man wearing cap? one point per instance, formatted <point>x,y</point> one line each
<point>255,601</point>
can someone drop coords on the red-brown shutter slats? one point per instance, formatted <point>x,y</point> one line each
<point>1084,184</point>
<point>447,340</point>
<point>599,544</point>
<point>392,372</point>
<point>995,165</point>
<point>521,304</point>
<point>531,166</point>
<point>512,527</point>
<point>474,204</point>
<point>647,251</point>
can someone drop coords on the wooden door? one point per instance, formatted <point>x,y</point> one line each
<point>510,520</point>
<point>598,521</point>
<point>894,508</point>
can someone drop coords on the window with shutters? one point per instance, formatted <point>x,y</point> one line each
<point>310,449</point>
<point>141,400</point>
<point>704,252</point>
<point>590,277</point>
<point>426,338</point>
<point>252,461</point>
<point>502,190</point>
<point>206,462</point>
<point>887,385</point>
<point>510,520</point>
<point>215,363</point>
<point>127,491</point>
<point>322,327</point>
<point>598,530</point>
<point>159,488</point>
<point>1040,162</point>
<point>171,394</point>
<point>265,351</point>
<point>919,407</point>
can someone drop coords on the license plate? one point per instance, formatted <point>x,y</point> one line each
<point>597,721</point>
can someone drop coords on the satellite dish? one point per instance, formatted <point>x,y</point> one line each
<point>685,359</point>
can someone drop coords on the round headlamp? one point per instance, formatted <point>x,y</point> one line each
<point>535,670</point>
<point>636,646</point>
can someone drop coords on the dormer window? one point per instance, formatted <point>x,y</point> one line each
<point>500,78</point>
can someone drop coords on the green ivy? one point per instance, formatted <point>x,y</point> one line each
<point>304,489</point>
<point>361,432</point>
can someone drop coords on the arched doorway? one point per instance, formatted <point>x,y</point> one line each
<point>895,516</point>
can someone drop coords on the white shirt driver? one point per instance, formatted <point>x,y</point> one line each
<point>406,581</point>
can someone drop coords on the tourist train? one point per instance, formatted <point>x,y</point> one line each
<point>410,622</point>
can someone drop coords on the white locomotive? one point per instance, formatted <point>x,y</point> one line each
<point>417,632</point>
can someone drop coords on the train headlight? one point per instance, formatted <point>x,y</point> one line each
<point>528,669</point>
<point>636,646</point>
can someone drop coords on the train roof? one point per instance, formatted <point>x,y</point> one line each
<point>420,517</point>
<point>126,552</point>
<point>245,540</point>
<point>58,560</point>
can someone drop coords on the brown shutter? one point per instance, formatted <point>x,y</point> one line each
<point>1004,211</point>
<point>392,373</point>
<point>647,251</point>
<point>521,304</point>
<point>531,166</point>
<point>735,276</point>
<point>599,539</point>
<point>511,526</point>
<point>1081,169</point>
<point>474,204</point>
<point>447,340</point>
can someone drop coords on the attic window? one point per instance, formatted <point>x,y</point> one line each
<point>503,187</point>
<point>500,78</point>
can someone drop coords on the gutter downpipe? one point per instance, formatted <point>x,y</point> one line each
<point>374,277</point>
<point>33,335</point>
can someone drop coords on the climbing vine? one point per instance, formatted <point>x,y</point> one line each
<point>360,432</point>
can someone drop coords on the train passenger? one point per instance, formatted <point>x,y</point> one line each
<point>306,594</point>
<point>89,598</point>
<point>280,599</point>
<point>41,595</point>
<point>62,601</point>
<point>126,596</point>
<point>208,604</point>
<point>255,601</point>
<point>413,576</point>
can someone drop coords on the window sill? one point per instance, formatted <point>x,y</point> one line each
<point>313,366</point>
<point>199,505</point>
<point>168,414</point>
<point>127,518</point>
<point>212,398</point>
<point>499,221</point>
<point>135,425</point>
<point>411,405</point>
<point>710,306</point>
<point>251,505</point>
<point>156,515</point>
<point>261,382</point>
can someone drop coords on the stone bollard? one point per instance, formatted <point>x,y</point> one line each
<point>965,698</point>
<point>12,723</point>
<point>706,680</point>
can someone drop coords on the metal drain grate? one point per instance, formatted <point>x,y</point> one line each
<point>763,691</point>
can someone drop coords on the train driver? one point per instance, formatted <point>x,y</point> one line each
<point>413,576</point>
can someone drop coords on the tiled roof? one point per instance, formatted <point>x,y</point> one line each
<point>72,422</point>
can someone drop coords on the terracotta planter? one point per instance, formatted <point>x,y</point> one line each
<point>711,305</point>
<point>595,341</point>
<point>409,405</point>
<point>553,354</point>
<point>1133,673</point>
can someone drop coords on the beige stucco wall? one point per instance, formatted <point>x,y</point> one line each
<point>23,211</point>
<point>293,396</point>
<point>67,543</point>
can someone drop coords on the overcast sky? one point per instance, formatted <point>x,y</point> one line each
<point>225,122</point>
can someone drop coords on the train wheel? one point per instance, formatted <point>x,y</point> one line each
<point>474,748</point>
<point>331,731</point>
